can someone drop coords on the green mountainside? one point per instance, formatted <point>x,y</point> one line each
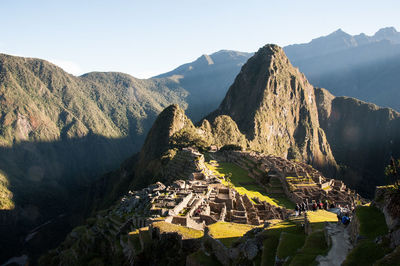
<point>59,132</point>
<point>363,138</point>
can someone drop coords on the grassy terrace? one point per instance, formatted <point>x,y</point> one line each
<point>372,225</point>
<point>287,240</point>
<point>319,217</point>
<point>283,238</point>
<point>227,233</point>
<point>186,232</point>
<point>202,259</point>
<point>246,185</point>
<point>134,239</point>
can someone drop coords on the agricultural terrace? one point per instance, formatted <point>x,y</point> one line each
<point>244,184</point>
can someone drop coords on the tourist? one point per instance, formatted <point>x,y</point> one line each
<point>345,220</point>
<point>314,206</point>
<point>301,208</point>
<point>332,206</point>
<point>296,209</point>
<point>320,205</point>
<point>326,205</point>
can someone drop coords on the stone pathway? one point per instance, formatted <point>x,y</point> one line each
<point>340,246</point>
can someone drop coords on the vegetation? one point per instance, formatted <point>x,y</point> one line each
<point>392,171</point>
<point>274,234</point>
<point>372,222</point>
<point>231,147</point>
<point>372,225</point>
<point>318,218</point>
<point>245,185</point>
<point>289,244</point>
<point>203,259</point>
<point>314,245</point>
<point>270,245</point>
<point>365,253</point>
<point>6,196</point>
<point>227,232</point>
<point>186,232</point>
<point>188,137</point>
<point>390,259</point>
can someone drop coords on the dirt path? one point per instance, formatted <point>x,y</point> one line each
<point>340,246</point>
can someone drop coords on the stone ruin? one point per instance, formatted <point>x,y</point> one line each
<point>201,199</point>
<point>297,180</point>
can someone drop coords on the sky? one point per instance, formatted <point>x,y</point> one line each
<point>146,38</point>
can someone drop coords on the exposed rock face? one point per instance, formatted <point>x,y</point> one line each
<point>223,131</point>
<point>274,106</point>
<point>170,120</point>
<point>362,136</point>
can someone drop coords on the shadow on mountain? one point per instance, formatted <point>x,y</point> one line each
<point>50,181</point>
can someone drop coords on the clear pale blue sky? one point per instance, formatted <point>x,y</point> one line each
<point>145,38</point>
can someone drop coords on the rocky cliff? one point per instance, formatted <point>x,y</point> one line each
<point>274,106</point>
<point>362,137</point>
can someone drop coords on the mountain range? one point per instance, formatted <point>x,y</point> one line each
<point>360,66</point>
<point>60,134</point>
<point>271,109</point>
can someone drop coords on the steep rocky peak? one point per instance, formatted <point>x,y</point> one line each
<point>169,121</point>
<point>268,72</point>
<point>273,105</point>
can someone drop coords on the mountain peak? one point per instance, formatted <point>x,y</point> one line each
<point>207,59</point>
<point>339,33</point>
<point>273,105</point>
<point>169,121</point>
<point>386,32</point>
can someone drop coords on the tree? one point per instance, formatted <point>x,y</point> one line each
<point>392,171</point>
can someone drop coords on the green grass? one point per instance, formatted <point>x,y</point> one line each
<point>319,217</point>
<point>202,259</point>
<point>228,233</point>
<point>372,221</point>
<point>314,245</point>
<point>289,244</point>
<point>269,250</point>
<point>246,185</point>
<point>186,232</point>
<point>365,253</point>
<point>391,259</point>
<point>271,241</point>
<point>372,225</point>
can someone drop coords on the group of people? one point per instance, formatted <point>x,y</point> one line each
<point>343,214</point>
<point>305,206</point>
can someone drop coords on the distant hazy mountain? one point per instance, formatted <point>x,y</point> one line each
<point>207,79</point>
<point>361,66</point>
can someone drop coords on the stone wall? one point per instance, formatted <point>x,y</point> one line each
<point>180,205</point>
<point>220,251</point>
